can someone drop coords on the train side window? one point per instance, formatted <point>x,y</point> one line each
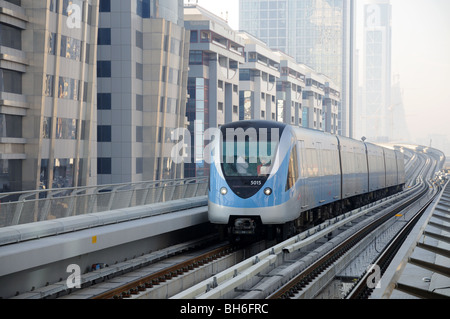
<point>292,175</point>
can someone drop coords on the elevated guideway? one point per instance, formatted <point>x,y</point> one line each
<point>93,225</point>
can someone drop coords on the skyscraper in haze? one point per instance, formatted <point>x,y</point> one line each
<point>377,106</point>
<point>318,33</point>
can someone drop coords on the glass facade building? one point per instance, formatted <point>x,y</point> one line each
<point>47,90</point>
<point>318,33</point>
<point>216,52</point>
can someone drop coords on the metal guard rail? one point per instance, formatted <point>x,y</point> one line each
<point>40,205</point>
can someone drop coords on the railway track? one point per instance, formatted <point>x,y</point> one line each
<point>309,282</point>
<point>156,278</point>
<point>164,273</point>
<point>318,270</point>
<point>365,285</point>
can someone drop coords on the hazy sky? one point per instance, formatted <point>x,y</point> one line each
<point>421,58</point>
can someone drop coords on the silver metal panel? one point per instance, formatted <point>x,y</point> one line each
<point>354,167</point>
<point>35,253</point>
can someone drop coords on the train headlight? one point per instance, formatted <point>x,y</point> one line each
<point>223,190</point>
<point>268,191</point>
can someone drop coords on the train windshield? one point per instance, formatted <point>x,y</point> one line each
<point>249,158</point>
<point>248,154</point>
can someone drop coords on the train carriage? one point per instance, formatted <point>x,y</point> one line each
<point>272,178</point>
<point>377,172</point>
<point>319,171</point>
<point>390,167</point>
<point>354,167</point>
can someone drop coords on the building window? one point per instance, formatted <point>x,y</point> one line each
<point>139,134</point>
<point>194,36</point>
<point>84,131</point>
<point>54,5</point>
<point>173,76</point>
<point>205,36</point>
<point>252,57</point>
<point>104,69</point>
<point>163,73</point>
<point>104,165</point>
<point>139,39</point>
<point>71,7</point>
<point>244,75</point>
<point>87,53</point>
<point>195,57</point>
<point>10,126</point>
<point>68,89</point>
<point>139,71</point>
<point>70,48</point>
<point>104,133</point>
<point>104,36</point>
<point>11,175</point>
<point>16,2</point>
<point>143,8</point>
<point>10,81</point>
<point>47,128</point>
<point>66,129</point>
<point>11,37</point>
<point>139,165</point>
<point>162,104</point>
<point>105,6</point>
<point>48,85</point>
<point>104,101</point>
<point>85,91</point>
<point>166,43</point>
<point>160,133</point>
<point>139,102</point>
<point>51,49</point>
<point>63,173</point>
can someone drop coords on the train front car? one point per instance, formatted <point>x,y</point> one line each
<point>248,179</point>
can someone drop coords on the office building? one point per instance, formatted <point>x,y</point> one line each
<point>216,53</point>
<point>290,87</point>
<point>142,64</point>
<point>47,94</point>
<point>317,33</point>
<point>258,80</point>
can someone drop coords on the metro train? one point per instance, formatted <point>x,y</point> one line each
<point>273,180</point>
